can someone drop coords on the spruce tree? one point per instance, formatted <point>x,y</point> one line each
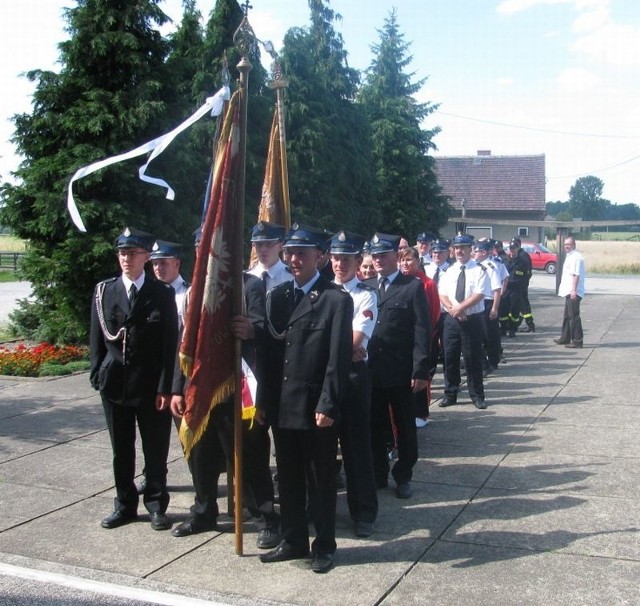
<point>405,178</point>
<point>329,156</point>
<point>109,96</point>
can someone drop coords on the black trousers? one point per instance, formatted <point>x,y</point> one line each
<point>307,456</point>
<point>491,340</point>
<point>355,445</point>
<point>510,306</point>
<point>209,457</point>
<point>571,322</point>
<point>399,398</point>
<point>155,433</point>
<point>463,338</point>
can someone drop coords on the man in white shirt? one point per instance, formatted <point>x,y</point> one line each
<point>166,258</point>
<point>355,423</point>
<point>462,291</point>
<point>572,289</point>
<point>267,240</point>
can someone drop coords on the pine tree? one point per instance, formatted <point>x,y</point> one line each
<point>406,182</point>
<point>329,156</point>
<point>109,96</point>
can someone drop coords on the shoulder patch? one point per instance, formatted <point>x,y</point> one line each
<point>364,286</point>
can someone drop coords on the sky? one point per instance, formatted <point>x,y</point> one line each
<point>516,77</point>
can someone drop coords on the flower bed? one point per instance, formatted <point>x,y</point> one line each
<point>40,360</point>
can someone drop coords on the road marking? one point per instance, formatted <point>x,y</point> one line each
<point>131,593</point>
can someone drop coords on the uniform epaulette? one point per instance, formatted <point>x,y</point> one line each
<point>287,268</point>
<point>498,260</point>
<point>364,286</point>
<point>186,284</point>
<point>482,267</point>
<point>108,280</point>
<point>165,284</point>
<point>491,265</point>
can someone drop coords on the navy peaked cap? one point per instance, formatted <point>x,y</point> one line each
<point>304,235</point>
<point>483,244</point>
<point>162,249</point>
<point>425,236</point>
<point>439,245</point>
<point>346,243</point>
<point>515,241</point>
<point>463,240</point>
<point>263,230</point>
<point>383,243</point>
<point>135,238</point>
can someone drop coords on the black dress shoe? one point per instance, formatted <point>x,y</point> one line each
<point>322,562</point>
<point>194,526</point>
<point>404,490</point>
<point>446,402</point>
<point>283,552</point>
<point>159,521</point>
<point>528,328</point>
<point>363,529</point>
<point>479,403</point>
<point>574,345</point>
<point>560,342</point>
<point>118,518</point>
<point>268,538</point>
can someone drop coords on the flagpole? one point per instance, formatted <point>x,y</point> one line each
<point>244,39</point>
<point>279,83</point>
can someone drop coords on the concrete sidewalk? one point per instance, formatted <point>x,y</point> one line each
<point>533,501</point>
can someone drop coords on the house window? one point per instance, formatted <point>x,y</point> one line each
<point>523,232</point>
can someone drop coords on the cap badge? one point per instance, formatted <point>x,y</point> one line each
<point>342,237</point>
<point>127,232</point>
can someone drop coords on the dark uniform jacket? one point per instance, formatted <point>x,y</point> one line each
<point>305,370</point>
<point>134,370</point>
<point>519,268</point>
<point>400,345</point>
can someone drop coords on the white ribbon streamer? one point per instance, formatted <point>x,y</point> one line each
<point>157,146</point>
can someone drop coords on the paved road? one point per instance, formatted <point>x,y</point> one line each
<point>10,292</point>
<point>535,501</point>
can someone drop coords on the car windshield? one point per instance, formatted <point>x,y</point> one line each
<point>543,248</point>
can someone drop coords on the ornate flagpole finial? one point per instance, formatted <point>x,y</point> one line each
<point>244,37</point>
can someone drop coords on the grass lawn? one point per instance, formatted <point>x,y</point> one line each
<point>6,275</point>
<point>11,244</point>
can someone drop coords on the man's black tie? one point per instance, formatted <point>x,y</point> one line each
<point>460,287</point>
<point>265,276</point>
<point>297,297</point>
<point>436,277</point>
<point>383,285</point>
<point>133,293</point>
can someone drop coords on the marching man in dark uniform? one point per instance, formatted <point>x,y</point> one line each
<point>134,331</point>
<point>303,370</point>
<point>399,361</point>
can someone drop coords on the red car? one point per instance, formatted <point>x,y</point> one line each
<point>541,257</point>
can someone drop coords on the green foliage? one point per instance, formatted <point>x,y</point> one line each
<point>405,177</point>
<point>121,84</point>
<point>54,369</point>
<point>329,157</point>
<point>585,199</point>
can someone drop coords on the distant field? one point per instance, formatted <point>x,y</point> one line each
<point>11,244</point>
<point>611,256</point>
<point>616,235</point>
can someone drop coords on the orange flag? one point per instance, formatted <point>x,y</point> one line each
<point>274,202</point>
<point>207,349</point>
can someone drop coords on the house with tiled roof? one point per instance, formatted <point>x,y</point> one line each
<point>487,188</point>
